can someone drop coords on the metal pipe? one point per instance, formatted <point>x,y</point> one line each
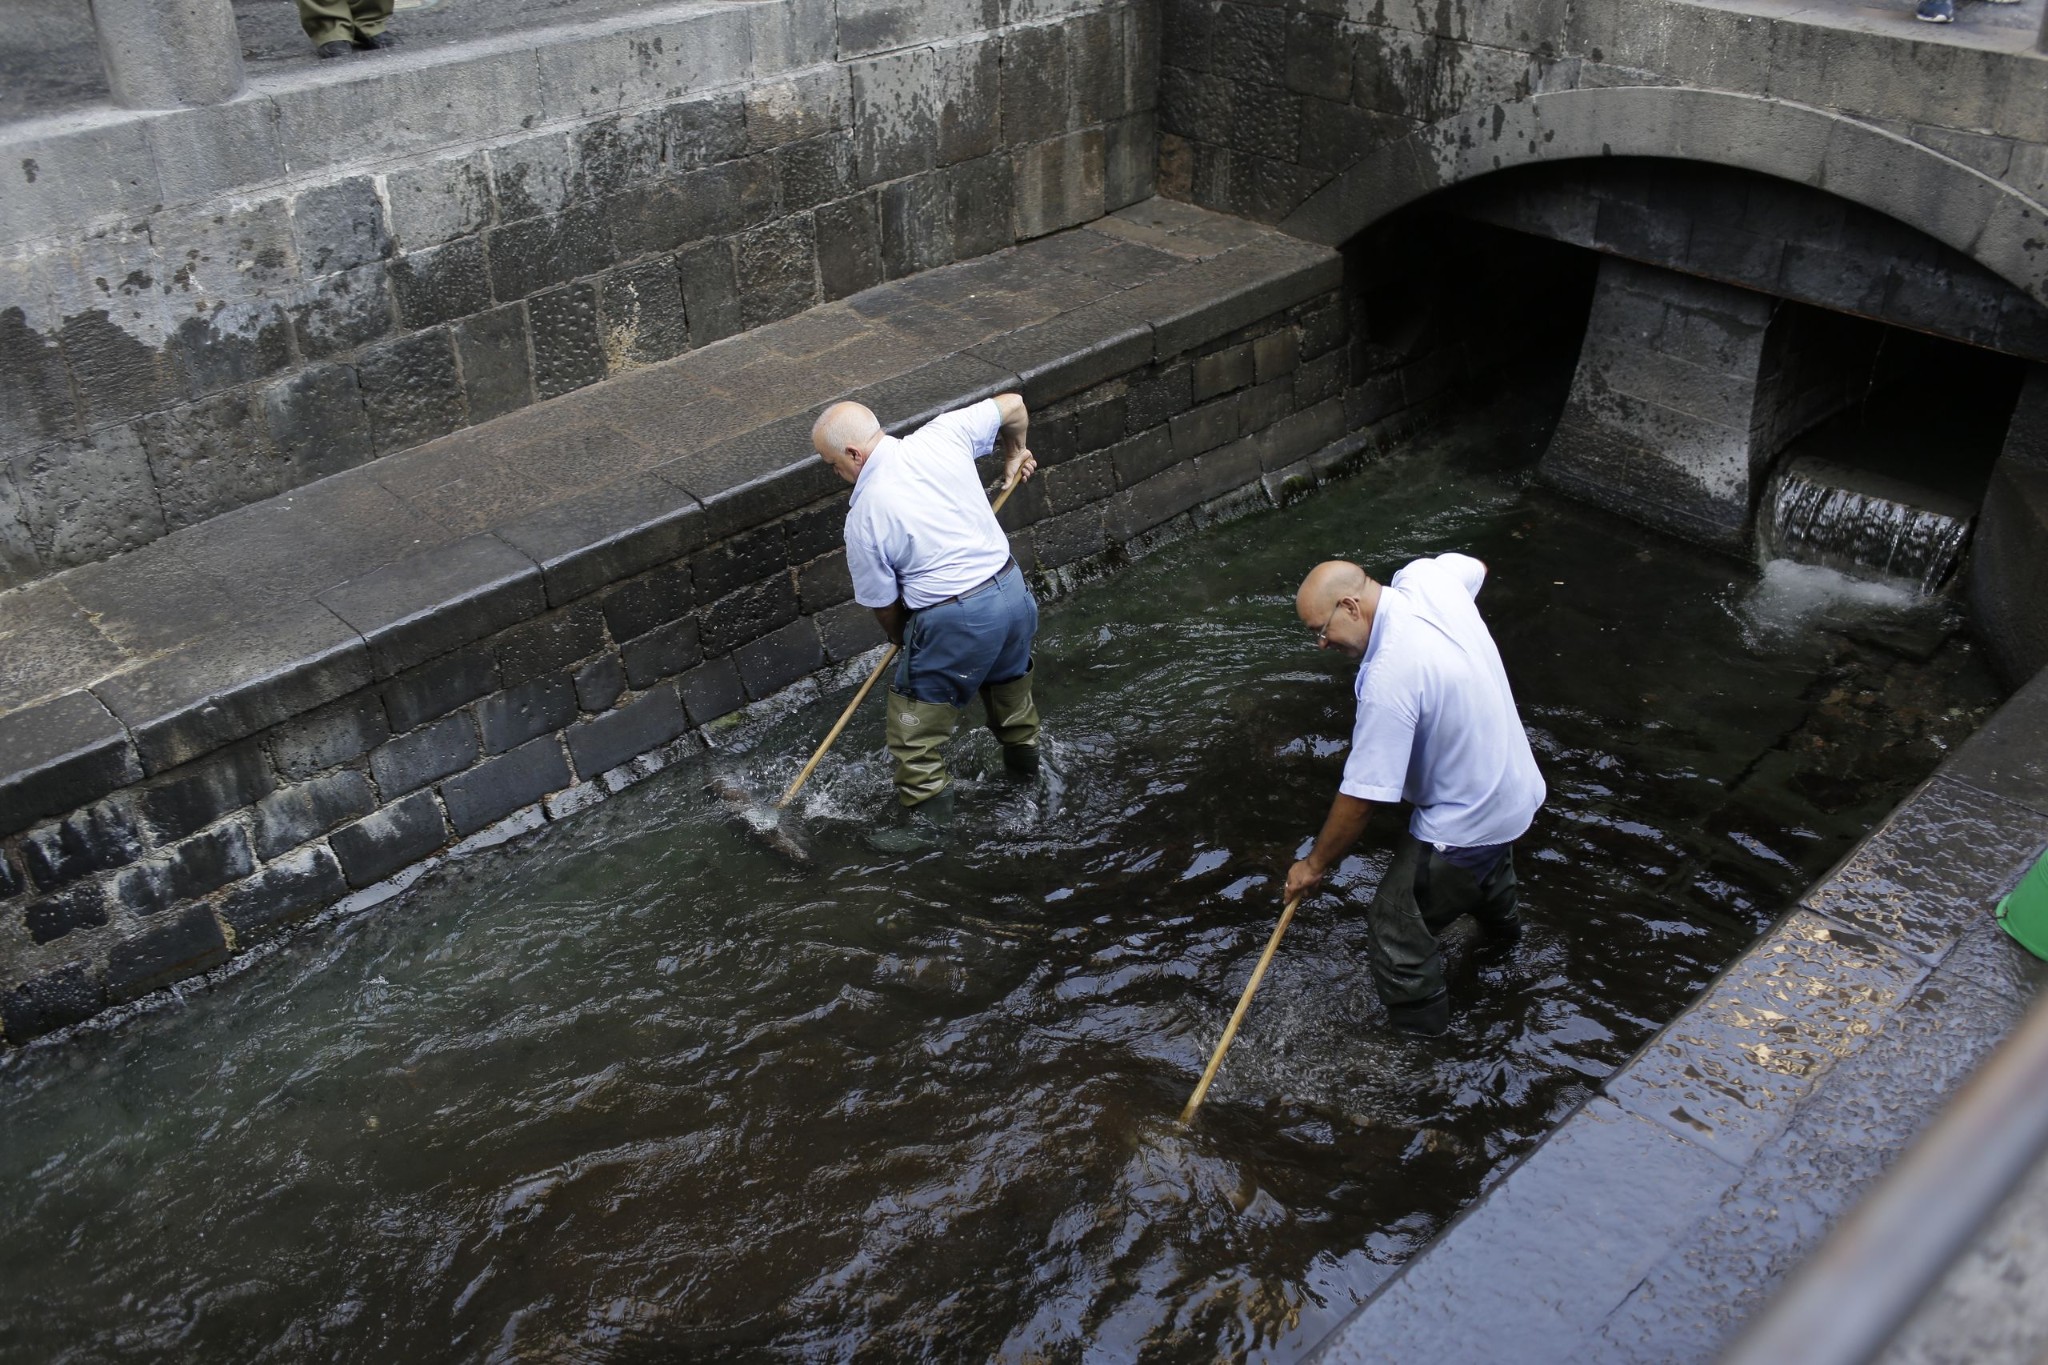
<point>1852,1296</point>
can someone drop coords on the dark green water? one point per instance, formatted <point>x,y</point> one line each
<point>636,1090</point>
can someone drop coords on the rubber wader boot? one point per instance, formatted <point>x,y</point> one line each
<point>1013,719</point>
<point>917,732</point>
<point>1498,942</point>
<point>915,829</point>
<point>1426,1018</point>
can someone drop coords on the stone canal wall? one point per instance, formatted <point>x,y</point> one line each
<point>202,308</point>
<point>2008,587</point>
<point>164,812</point>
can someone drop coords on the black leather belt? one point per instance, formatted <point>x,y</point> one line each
<point>983,586</point>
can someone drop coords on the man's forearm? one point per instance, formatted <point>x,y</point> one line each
<point>1341,828</point>
<point>891,619</point>
<point>1014,435</point>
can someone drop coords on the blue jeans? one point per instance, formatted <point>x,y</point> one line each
<point>953,650</point>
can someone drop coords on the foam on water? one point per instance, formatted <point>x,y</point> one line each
<point>1792,601</point>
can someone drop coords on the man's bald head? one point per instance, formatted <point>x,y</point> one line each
<point>844,426</point>
<point>1327,584</point>
<point>1337,601</point>
<point>844,435</point>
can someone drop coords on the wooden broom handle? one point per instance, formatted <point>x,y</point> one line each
<point>1244,1002</point>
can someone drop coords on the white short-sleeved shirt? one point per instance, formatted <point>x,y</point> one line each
<point>1436,722</point>
<point>919,524</point>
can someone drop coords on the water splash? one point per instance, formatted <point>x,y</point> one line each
<point>1792,601</point>
<point>1819,512</point>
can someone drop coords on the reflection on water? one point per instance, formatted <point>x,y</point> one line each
<point>639,1090</point>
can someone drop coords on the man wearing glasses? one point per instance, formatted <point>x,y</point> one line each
<point>1436,727</point>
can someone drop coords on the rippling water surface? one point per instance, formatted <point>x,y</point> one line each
<point>638,1090</point>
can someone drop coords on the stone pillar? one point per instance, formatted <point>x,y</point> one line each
<point>2009,554</point>
<point>1686,388</point>
<point>166,54</point>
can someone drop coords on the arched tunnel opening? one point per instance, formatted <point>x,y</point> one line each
<point>1752,365</point>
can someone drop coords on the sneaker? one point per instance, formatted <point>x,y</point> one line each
<point>376,42</point>
<point>329,51</point>
<point>1936,12</point>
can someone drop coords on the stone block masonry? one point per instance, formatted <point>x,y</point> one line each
<point>578,589</point>
<point>1263,106</point>
<point>1684,391</point>
<point>203,308</point>
<point>1767,235</point>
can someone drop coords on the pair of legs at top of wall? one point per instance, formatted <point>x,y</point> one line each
<point>339,27</point>
<point>977,644</point>
<point>1944,11</point>
<point>1423,891</point>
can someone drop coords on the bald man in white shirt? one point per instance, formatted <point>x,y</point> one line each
<point>927,556</point>
<point>1436,726</point>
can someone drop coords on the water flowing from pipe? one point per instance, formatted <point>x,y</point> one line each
<point>1818,512</point>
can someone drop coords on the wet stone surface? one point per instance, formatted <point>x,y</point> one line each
<point>1929,873</point>
<point>1584,1218</point>
<point>1797,1185</point>
<point>1730,1073</point>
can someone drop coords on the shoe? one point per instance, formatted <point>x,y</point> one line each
<point>1022,761</point>
<point>1936,12</point>
<point>329,51</point>
<point>1429,1018</point>
<point>376,42</point>
<point>916,829</point>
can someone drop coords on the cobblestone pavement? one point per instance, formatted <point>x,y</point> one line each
<point>49,61</point>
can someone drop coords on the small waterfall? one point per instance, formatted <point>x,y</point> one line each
<point>1819,512</point>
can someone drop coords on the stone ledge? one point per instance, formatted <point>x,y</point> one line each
<point>304,118</point>
<point>219,341</point>
<point>1731,1102</point>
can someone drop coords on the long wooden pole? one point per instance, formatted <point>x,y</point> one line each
<point>1244,1002</point>
<point>832,735</point>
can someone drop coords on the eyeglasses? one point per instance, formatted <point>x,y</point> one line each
<point>1323,635</point>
